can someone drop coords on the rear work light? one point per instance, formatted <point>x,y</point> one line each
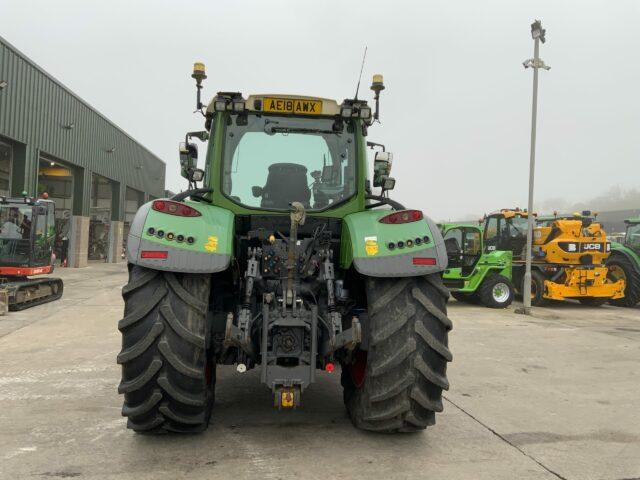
<point>155,254</point>
<point>424,261</point>
<point>175,208</point>
<point>405,216</point>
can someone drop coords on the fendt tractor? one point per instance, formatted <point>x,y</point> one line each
<point>27,233</point>
<point>284,260</point>
<point>475,275</point>
<point>624,263</point>
<point>567,258</point>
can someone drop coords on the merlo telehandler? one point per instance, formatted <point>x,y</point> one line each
<point>567,259</point>
<point>475,275</point>
<point>284,260</point>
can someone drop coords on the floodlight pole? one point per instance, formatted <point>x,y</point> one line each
<point>538,34</point>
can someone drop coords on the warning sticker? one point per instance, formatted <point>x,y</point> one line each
<point>371,245</point>
<point>212,244</point>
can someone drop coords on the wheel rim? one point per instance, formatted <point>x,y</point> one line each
<point>500,292</point>
<point>534,289</point>
<point>358,368</point>
<point>616,273</point>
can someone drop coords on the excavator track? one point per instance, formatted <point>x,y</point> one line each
<point>28,293</point>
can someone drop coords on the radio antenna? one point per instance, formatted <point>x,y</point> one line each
<point>364,56</point>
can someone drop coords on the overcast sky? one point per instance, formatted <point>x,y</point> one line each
<point>456,111</point>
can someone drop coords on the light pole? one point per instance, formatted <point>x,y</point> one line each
<point>537,33</point>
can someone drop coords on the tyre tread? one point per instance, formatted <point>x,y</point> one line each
<point>407,356</point>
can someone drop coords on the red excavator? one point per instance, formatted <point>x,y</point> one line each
<point>27,234</point>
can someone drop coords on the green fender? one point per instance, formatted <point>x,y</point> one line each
<point>211,236</point>
<point>365,245</point>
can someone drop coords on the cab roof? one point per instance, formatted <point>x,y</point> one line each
<point>449,226</point>
<point>287,104</point>
<point>510,213</point>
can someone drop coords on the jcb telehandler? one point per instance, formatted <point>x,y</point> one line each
<point>624,263</point>
<point>475,275</point>
<point>567,259</point>
<point>286,261</point>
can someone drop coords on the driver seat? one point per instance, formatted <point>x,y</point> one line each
<point>286,183</point>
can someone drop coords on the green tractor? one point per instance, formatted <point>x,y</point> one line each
<point>475,274</point>
<point>624,263</point>
<point>284,260</point>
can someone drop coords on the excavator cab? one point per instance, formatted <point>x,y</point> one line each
<point>27,234</point>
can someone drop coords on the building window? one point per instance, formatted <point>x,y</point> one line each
<point>56,180</point>
<point>100,217</point>
<point>6,160</point>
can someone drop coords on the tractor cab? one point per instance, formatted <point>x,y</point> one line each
<point>632,235</point>
<point>506,230</point>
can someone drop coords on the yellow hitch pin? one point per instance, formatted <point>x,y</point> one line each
<point>287,397</point>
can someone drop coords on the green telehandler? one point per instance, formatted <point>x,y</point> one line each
<point>283,259</point>
<point>624,263</point>
<point>474,274</point>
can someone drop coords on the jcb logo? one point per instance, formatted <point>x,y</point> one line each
<point>590,247</point>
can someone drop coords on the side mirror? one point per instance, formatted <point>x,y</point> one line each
<point>256,191</point>
<point>188,158</point>
<point>382,168</point>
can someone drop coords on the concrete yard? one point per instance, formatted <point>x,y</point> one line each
<point>551,397</point>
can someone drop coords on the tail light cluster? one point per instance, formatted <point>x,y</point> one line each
<point>175,208</point>
<point>404,216</point>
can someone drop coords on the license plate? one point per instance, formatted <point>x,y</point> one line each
<point>292,105</point>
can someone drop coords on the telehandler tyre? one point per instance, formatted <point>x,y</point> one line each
<point>466,297</point>
<point>621,267</point>
<point>537,289</point>
<point>496,291</point>
<point>168,373</point>
<point>593,301</point>
<point>396,386</point>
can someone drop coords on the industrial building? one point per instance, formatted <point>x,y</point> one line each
<point>53,141</point>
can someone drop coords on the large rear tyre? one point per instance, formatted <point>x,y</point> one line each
<point>168,371</point>
<point>396,386</point>
<point>621,267</point>
<point>496,291</point>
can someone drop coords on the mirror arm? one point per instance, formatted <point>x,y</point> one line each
<point>384,201</point>
<point>194,192</point>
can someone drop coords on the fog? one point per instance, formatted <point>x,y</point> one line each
<point>456,111</point>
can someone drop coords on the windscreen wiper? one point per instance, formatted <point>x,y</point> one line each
<point>299,130</point>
